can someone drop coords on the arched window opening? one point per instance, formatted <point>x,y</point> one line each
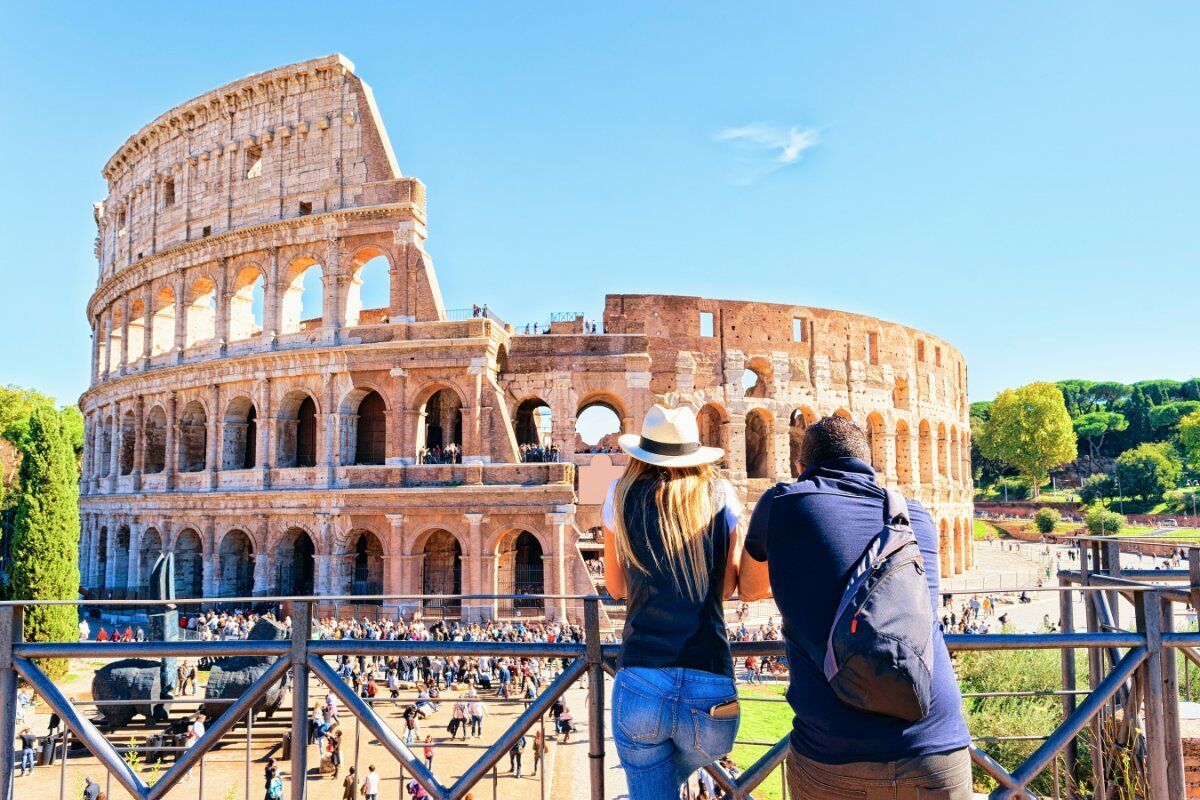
<point>200,322</point>
<point>520,571</point>
<point>367,577</point>
<point>128,442</point>
<point>368,296</point>
<point>106,445</point>
<point>298,431</point>
<point>925,452</point>
<point>533,428</point>
<point>193,438</point>
<point>137,332</point>
<point>442,574</point>
<point>295,557</point>
<point>844,414</point>
<point>597,427</point>
<point>756,378</point>
<point>246,304</point>
<point>236,556</point>
<point>115,336</point>
<point>162,330</point>
<point>903,454</point>
<point>758,445</point>
<point>800,420</point>
<point>441,429</point>
<point>150,551</point>
<point>876,444</point>
<point>240,445</point>
<point>301,303</point>
<point>370,436</point>
<point>189,565</point>
<point>155,457</point>
<point>711,421</point>
<point>120,582</point>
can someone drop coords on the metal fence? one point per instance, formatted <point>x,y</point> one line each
<point>1130,683</point>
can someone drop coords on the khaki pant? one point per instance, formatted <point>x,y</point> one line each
<point>940,777</point>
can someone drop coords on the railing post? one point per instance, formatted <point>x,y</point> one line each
<point>1066,613</point>
<point>1173,739</point>
<point>11,629</point>
<point>595,662</point>
<point>1150,622</point>
<point>1114,570</point>
<point>301,624</point>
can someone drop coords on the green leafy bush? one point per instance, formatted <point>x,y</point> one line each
<point>1096,488</point>
<point>1045,519</point>
<point>1101,522</point>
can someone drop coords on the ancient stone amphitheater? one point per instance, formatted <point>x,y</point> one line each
<point>248,413</point>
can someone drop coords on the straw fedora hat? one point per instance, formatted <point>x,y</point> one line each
<point>670,438</point>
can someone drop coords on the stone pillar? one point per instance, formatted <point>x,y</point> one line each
<point>322,577</point>
<point>555,578</point>
<point>110,563</point>
<point>271,289</point>
<point>393,565</point>
<point>171,458</point>
<point>264,454</point>
<point>147,326</point>
<point>211,571</point>
<point>331,288</point>
<point>223,300</point>
<point>735,435</point>
<point>215,433</point>
<point>181,306</point>
<point>123,362</point>
<point>473,581</point>
<point>114,448</point>
<point>133,581</point>
<point>891,479</point>
<point>397,419</point>
<point>262,558</point>
<point>97,332</point>
<point>327,460</point>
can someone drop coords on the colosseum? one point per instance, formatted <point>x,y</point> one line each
<point>249,412</point>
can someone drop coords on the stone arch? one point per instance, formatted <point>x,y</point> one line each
<point>370,283</point>
<point>151,547</point>
<point>154,459</point>
<point>876,434</point>
<point>798,423</point>
<point>757,376</point>
<point>945,550</point>
<point>441,570</point>
<point>162,322</point>
<point>943,451</point>
<point>925,452</point>
<point>903,453</point>
<point>760,450</point>
<point>295,563</point>
<point>532,423</point>
<point>128,442</point>
<point>364,435</point>
<point>601,416</point>
<point>235,554</point>
<point>298,413</point>
<point>900,394</point>
<point>120,572</point>
<point>440,427</point>
<point>366,563</point>
<point>136,347</point>
<point>246,300</point>
<point>844,414</point>
<point>300,293</point>
<point>200,314</point>
<point>239,447</point>
<point>520,570</point>
<point>193,438</point>
<point>189,564</point>
<point>711,420</point>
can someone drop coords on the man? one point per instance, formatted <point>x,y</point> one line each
<point>370,786</point>
<point>812,533</point>
<point>91,789</point>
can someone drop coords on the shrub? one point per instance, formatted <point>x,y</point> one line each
<point>1045,519</point>
<point>1149,470</point>
<point>1096,488</point>
<point>1101,522</point>
<point>1017,488</point>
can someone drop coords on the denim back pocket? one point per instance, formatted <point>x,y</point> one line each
<point>637,712</point>
<point>714,736</point>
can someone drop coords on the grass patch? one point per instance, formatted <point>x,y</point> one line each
<point>983,529</point>
<point>762,722</point>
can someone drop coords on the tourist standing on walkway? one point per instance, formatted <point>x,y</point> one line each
<point>671,548</point>
<point>812,534</point>
<point>28,750</point>
<point>370,787</point>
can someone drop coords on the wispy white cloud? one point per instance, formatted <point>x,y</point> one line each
<point>781,146</point>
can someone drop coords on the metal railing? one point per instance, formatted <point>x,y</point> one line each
<point>1131,680</point>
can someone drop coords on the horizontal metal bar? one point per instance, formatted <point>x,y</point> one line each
<point>1039,641</point>
<point>400,647</point>
<point>261,601</point>
<point>177,649</point>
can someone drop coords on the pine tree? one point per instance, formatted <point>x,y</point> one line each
<point>45,544</point>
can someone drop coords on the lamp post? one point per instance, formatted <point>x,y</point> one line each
<point>1120,495</point>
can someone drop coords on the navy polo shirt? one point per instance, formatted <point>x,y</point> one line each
<point>811,533</point>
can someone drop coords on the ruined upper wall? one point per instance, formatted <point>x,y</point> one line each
<point>296,140</point>
<point>821,347</point>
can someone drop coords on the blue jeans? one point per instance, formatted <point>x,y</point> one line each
<point>663,730</point>
<point>27,760</point>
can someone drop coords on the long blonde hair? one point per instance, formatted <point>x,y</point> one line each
<point>685,502</point>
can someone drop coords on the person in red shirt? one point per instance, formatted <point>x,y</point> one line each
<point>102,636</point>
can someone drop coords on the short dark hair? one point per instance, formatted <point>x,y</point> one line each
<point>834,437</point>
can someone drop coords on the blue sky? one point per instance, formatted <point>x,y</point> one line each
<point>1019,178</point>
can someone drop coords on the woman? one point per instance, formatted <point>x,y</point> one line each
<point>671,548</point>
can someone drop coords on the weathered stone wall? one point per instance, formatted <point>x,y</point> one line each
<point>349,452</point>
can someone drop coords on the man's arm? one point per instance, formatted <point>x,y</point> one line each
<point>754,582</point>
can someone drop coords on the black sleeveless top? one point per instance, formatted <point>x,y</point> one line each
<point>665,627</point>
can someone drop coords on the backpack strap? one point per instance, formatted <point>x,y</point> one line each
<point>895,510</point>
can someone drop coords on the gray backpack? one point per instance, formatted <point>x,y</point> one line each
<point>879,654</point>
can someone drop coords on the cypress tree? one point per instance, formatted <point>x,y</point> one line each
<point>45,545</point>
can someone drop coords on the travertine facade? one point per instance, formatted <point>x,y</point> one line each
<point>277,454</point>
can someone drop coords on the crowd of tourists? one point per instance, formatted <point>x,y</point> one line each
<point>539,454</point>
<point>450,454</point>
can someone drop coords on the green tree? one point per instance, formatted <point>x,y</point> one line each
<point>1094,425</point>
<point>1149,470</point>
<point>45,543</point>
<point>1045,519</point>
<point>1189,439</point>
<point>1102,522</point>
<point>1029,430</point>
<point>1096,488</point>
<point>1168,415</point>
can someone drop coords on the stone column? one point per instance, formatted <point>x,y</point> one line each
<point>123,363</point>
<point>171,458</point>
<point>473,581</point>
<point>735,435</point>
<point>327,460</point>
<point>147,326</point>
<point>322,579</point>
<point>262,558</point>
<point>210,580</point>
<point>110,562</point>
<point>271,288</point>
<point>264,453</point>
<point>397,418</point>
<point>223,299</point>
<point>331,288</point>
<point>96,333</point>
<point>181,306</point>
<point>133,581</point>
<point>890,478</point>
<point>214,431</point>
<point>555,579</point>
<point>114,448</point>
<point>393,566</point>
